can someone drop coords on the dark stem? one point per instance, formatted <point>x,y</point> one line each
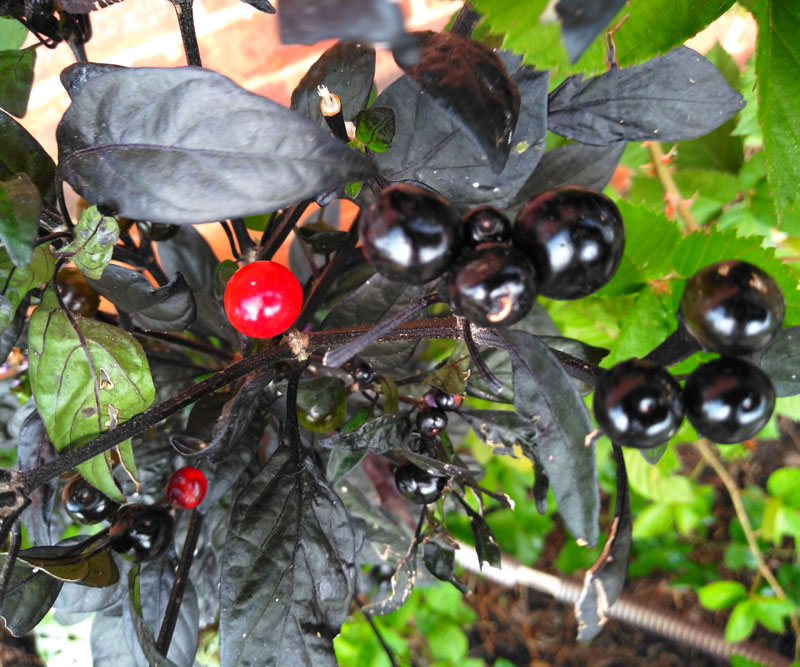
<point>577,368</point>
<point>179,584</point>
<point>327,278</point>
<point>292,423</point>
<point>466,20</point>
<point>340,355</point>
<point>386,648</point>
<point>280,230</point>
<point>183,8</point>
<point>10,560</point>
<point>179,341</point>
<point>337,126</point>
<point>483,370</point>
<point>679,345</point>
<point>242,235</point>
<point>52,237</point>
<point>229,234</point>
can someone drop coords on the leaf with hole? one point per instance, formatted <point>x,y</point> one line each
<point>94,237</point>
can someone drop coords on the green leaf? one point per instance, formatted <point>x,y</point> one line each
<point>86,377</point>
<point>391,396</point>
<point>18,281</point>
<point>653,27</point>
<point>645,325</point>
<point>94,238</point>
<point>375,128</point>
<point>16,79</point>
<point>20,207</point>
<point>12,33</point>
<point>741,622</point>
<point>777,62</point>
<point>701,249</point>
<point>653,520</point>
<point>721,594</point>
<point>649,241</point>
<point>772,613</point>
<point>785,483</point>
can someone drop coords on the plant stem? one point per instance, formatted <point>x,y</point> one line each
<point>179,584</point>
<point>242,235</point>
<point>670,188</point>
<point>466,20</point>
<point>679,345</point>
<point>183,8</point>
<point>280,229</point>
<point>747,528</point>
<point>229,234</point>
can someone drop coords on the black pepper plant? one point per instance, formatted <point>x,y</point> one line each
<point>327,414</point>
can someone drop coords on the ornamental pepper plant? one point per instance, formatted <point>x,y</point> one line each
<point>497,325</point>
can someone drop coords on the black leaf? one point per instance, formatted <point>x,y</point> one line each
<point>470,81</point>
<point>108,646</point>
<point>583,20</point>
<point>322,238</point>
<point>188,253</point>
<point>653,454</point>
<point>673,97</point>
<point>347,70</point>
<point>34,449</point>
<point>780,360</point>
<point>311,21</point>
<point>501,430</point>
<point>430,147</point>
<point>576,164</point>
<point>20,152</point>
<point>184,160</point>
<point>76,75</point>
<point>380,435</point>
<point>31,592</point>
<point>85,6</point>
<point>485,544</point>
<point>78,599</point>
<point>167,308</point>
<point>377,298</point>
<point>261,5</point>
<point>541,485</point>
<point>580,350</point>
<point>605,578</point>
<point>545,395</point>
<point>440,562</point>
<point>288,574</point>
<point>12,333</point>
<point>212,321</point>
<point>149,591</point>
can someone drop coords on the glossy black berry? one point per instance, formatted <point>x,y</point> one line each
<point>86,504</point>
<point>728,400</point>
<point>732,307</point>
<point>362,372</point>
<point>432,422</point>
<point>436,398</point>
<point>575,239</point>
<point>155,231</point>
<point>638,404</point>
<point>421,444</point>
<point>142,531</point>
<point>418,485</point>
<point>409,234</point>
<point>492,285</point>
<point>486,224</point>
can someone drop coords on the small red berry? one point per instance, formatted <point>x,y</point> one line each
<point>186,488</point>
<point>263,299</point>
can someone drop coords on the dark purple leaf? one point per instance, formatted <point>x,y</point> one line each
<point>154,582</point>
<point>30,595</point>
<point>76,75</point>
<point>20,152</point>
<point>430,147</point>
<point>440,562</point>
<point>196,148</point>
<point>545,395</point>
<point>501,430</point>
<point>85,6</point>
<point>188,253</point>
<point>108,646</point>
<point>780,360</point>
<point>576,164</point>
<point>583,20</point>
<point>311,21</point>
<point>605,578</point>
<point>673,97</point>
<point>541,485</point>
<point>34,448</point>
<point>78,599</point>
<point>261,5</point>
<point>485,543</point>
<point>288,574</point>
<point>470,82</point>
<point>347,70</point>
<point>379,435</point>
<point>167,308</point>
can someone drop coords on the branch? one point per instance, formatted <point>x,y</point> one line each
<point>673,195</point>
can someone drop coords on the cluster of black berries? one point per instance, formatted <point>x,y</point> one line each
<point>564,244</point>
<point>731,307</point>
<point>415,484</point>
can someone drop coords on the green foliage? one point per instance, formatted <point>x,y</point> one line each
<point>95,236</point>
<point>12,33</point>
<point>16,79</point>
<point>20,206</point>
<point>19,280</point>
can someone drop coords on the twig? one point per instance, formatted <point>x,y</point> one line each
<point>386,648</point>
<point>179,584</point>
<point>183,9</point>
<point>747,528</point>
<point>229,234</point>
<point>670,189</point>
